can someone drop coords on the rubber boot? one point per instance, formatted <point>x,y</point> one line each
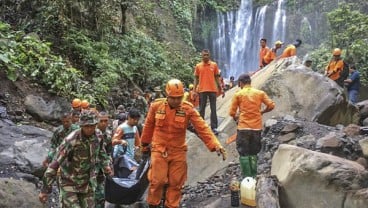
<point>253,165</point>
<point>245,166</point>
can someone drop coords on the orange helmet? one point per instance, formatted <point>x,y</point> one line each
<point>174,88</point>
<point>84,104</point>
<point>336,52</point>
<point>76,103</point>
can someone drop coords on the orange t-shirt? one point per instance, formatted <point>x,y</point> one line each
<point>207,74</point>
<point>262,54</point>
<point>270,56</point>
<point>289,51</point>
<point>334,68</point>
<point>249,102</point>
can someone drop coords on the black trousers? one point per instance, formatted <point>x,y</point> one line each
<point>248,142</point>
<point>202,106</point>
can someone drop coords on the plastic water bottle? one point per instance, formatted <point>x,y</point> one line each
<point>234,190</point>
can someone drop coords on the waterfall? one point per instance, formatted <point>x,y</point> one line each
<point>279,27</point>
<point>235,46</point>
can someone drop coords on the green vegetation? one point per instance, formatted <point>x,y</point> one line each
<point>221,5</point>
<point>94,55</point>
<point>26,55</point>
<point>349,31</point>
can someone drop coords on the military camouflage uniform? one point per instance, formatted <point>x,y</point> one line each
<point>100,189</point>
<point>59,134</point>
<point>77,157</point>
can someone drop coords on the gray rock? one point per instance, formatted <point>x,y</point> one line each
<point>364,146</point>
<point>300,170</point>
<point>18,193</point>
<point>286,137</point>
<point>46,111</point>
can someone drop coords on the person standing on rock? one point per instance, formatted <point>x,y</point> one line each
<point>207,80</point>
<point>335,67</point>
<point>77,157</point>
<point>262,52</point>
<point>353,84</point>
<point>103,122</point>
<point>163,138</point>
<point>59,134</point>
<point>246,109</point>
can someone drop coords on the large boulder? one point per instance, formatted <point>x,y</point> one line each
<point>304,93</point>
<point>23,146</point>
<point>313,179</point>
<point>42,110</point>
<point>18,193</point>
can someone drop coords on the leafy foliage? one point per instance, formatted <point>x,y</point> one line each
<point>26,55</point>
<point>224,5</point>
<point>349,31</point>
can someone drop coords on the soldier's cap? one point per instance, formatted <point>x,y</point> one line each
<point>88,118</point>
<point>278,42</point>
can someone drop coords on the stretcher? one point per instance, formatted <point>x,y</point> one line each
<point>128,190</point>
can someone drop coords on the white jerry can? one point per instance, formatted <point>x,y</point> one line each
<point>248,191</point>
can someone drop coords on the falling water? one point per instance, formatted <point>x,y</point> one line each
<point>235,44</point>
<point>279,26</point>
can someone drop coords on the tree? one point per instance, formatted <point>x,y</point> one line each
<point>349,31</point>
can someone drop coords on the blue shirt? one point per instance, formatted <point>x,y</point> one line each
<point>355,78</point>
<point>129,136</point>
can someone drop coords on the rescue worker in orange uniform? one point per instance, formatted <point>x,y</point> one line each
<point>206,78</point>
<point>164,137</point>
<point>271,54</point>
<point>262,52</point>
<point>335,66</point>
<point>249,102</point>
<point>290,50</point>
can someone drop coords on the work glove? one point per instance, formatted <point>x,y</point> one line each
<point>221,151</point>
<point>146,150</point>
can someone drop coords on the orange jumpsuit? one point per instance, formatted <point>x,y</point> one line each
<point>289,51</point>
<point>165,129</point>
<point>249,102</point>
<point>334,68</point>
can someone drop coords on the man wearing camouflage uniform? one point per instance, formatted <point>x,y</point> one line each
<point>139,102</point>
<point>59,134</point>
<point>103,121</point>
<point>77,157</point>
